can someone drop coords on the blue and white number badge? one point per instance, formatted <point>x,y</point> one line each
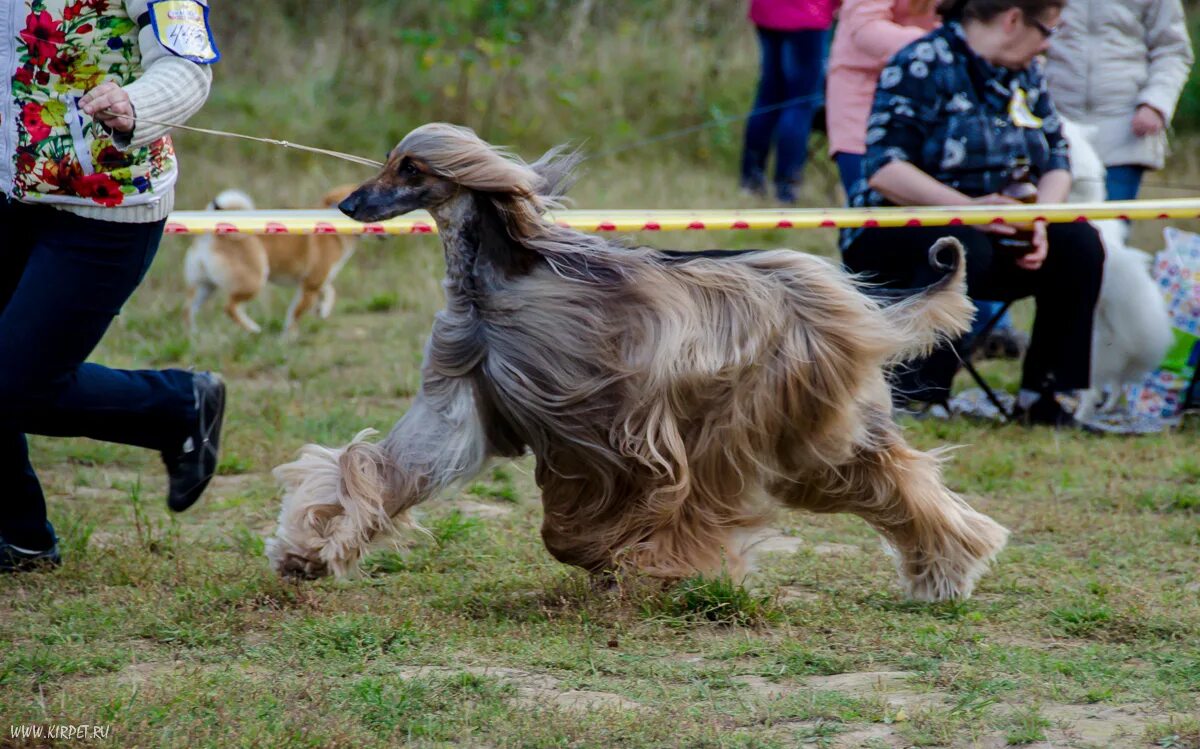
<point>181,26</point>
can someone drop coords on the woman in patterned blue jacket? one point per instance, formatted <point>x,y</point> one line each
<point>954,113</point>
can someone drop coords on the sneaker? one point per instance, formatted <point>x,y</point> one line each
<point>17,559</point>
<point>190,470</point>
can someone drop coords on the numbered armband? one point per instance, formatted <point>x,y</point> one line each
<point>182,28</point>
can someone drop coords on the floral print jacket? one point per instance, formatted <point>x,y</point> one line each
<point>55,51</point>
<point>959,119</point>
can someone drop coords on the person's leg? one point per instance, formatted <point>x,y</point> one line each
<point>1066,288</point>
<point>23,520</point>
<point>1123,182</point>
<point>79,274</point>
<point>802,57</point>
<point>22,503</point>
<point>897,258</point>
<point>849,169</point>
<point>764,117</point>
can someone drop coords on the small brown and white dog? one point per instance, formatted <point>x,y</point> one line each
<point>241,264</point>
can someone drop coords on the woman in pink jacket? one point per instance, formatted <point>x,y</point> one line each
<point>868,33</point>
<point>791,36</point>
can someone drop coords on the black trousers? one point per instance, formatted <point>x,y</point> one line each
<point>63,278</point>
<point>1065,290</point>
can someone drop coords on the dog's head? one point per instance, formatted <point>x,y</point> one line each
<point>438,162</point>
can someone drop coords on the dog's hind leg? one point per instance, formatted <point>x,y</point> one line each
<point>200,294</point>
<point>233,308</point>
<point>304,298</point>
<point>1088,400</point>
<point>942,546</point>
<point>328,297</point>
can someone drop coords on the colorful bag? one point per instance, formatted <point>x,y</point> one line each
<point>1166,391</point>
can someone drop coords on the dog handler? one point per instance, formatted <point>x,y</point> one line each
<point>84,193</point>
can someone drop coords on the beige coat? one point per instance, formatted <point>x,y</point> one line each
<point>1111,56</point>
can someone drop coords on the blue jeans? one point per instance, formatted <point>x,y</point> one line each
<point>791,66</point>
<point>1123,182</point>
<point>849,169</point>
<point>63,278</point>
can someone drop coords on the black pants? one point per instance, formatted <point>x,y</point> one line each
<point>1065,289</point>
<point>63,278</point>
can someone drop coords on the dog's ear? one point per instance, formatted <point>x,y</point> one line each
<point>557,169</point>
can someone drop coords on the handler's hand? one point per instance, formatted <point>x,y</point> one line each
<point>110,105</point>
<point>1148,121</point>
<point>995,199</point>
<point>1041,246</point>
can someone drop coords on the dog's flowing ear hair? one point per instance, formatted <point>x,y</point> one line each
<point>521,192</point>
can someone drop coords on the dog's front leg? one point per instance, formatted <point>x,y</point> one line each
<point>441,440</point>
<point>338,503</point>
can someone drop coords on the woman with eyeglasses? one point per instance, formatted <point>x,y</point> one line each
<point>956,115</point>
<point>1117,67</point>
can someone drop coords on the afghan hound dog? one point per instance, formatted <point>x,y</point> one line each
<point>666,396</point>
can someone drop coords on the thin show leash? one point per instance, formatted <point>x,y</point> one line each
<point>272,141</point>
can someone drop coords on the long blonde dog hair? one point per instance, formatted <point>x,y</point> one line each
<point>667,399</point>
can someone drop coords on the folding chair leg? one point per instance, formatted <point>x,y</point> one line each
<point>965,357</point>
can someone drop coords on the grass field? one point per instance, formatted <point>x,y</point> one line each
<point>171,631</point>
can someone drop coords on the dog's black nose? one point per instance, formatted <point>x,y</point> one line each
<point>351,204</point>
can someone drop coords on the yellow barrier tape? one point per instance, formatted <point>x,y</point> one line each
<point>419,222</point>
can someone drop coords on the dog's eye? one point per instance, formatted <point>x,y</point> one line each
<point>409,169</point>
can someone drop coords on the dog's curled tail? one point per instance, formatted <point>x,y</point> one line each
<point>231,200</point>
<point>940,311</point>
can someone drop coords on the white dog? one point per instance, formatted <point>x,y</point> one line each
<point>1132,329</point>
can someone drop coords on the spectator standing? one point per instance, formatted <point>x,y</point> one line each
<point>1119,66</point>
<point>792,37</point>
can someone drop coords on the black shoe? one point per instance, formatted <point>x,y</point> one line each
<point>1003,344</point>
<point>1046,411</point>
<point>16,559</point>
<point>193,466</point>
<point>786,193</point>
